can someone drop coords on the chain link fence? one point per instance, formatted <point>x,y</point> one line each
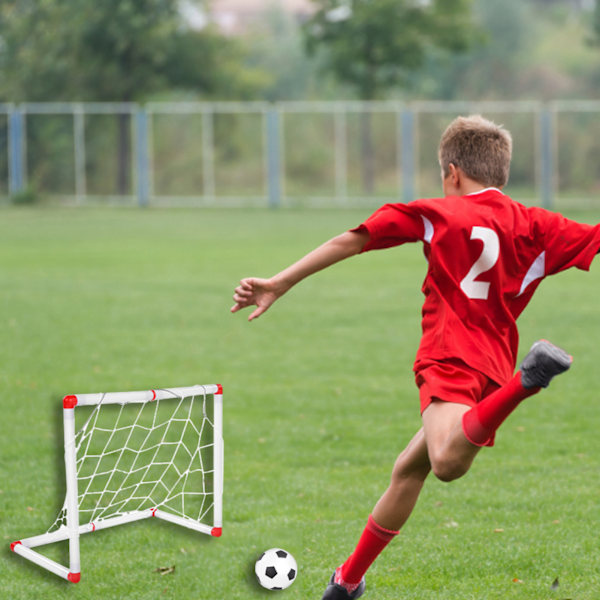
<point>285,154</point>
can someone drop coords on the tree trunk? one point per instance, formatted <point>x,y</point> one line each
<point>124,155</point>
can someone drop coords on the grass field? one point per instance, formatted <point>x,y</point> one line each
<point>319,399</point>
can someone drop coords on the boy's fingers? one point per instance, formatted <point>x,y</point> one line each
<point>242,302</point>
<point>242,292</point>
<point>249,292</point>
<point>259,311</point>
<point>240,298</point>
<point>247,284</point>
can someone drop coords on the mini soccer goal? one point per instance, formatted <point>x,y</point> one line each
<point>137,455</point>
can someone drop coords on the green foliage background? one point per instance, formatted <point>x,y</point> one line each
<point>124,51</point>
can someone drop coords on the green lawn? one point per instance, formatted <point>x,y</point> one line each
<point>318,400</point>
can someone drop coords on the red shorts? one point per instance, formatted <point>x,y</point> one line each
<point>452,380</point>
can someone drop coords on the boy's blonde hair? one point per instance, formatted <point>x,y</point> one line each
<point>479,147</point>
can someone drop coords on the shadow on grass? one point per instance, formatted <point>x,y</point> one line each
<point>252,580</point>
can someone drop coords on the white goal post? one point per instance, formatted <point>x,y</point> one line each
<point>137,455</point>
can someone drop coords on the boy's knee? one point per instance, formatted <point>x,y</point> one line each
<point>405,468</point>
<point>448,469</point>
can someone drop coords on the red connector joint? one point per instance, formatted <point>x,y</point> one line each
<point>12,546</point>
<point>216,531</point>
<point>74,577</point>
<point>153,395</point>
<point>219,389</point>
<point>153,511</point>
<point>69,401</point>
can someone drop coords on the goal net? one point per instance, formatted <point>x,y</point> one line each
<point>137,455</point>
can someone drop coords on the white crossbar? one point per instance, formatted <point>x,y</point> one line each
<point>143,396</point>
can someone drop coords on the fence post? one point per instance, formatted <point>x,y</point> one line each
<point>79,151</point>
<point>273,157</point>
<point>142,156</point>
<point>547,163</point>
<point>407,145</point>
<point>208,155</point>
<point>341,153</point>
<point>16,179</point>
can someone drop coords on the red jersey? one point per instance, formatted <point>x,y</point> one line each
<point>487,254</point>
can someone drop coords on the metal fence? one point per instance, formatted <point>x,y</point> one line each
<point>283,154</point>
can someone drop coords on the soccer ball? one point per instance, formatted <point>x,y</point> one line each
<point>276,569</point>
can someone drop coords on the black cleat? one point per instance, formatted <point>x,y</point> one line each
<point>543,361</point>
<point>335,591</point>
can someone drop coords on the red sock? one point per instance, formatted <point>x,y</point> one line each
<point>372,541</point>
<point>482,421</point>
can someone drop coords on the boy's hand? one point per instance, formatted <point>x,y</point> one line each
<point>254,291</point>
<point>263,292</point>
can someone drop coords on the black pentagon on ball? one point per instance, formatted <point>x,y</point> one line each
<point>271,572</point>
<point>281,553</point>
<point>292,574</point>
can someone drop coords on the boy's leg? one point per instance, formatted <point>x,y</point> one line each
<point>390,513</point>
<point>408,476</point>
<point>450,452</point>
<point>442,445</point>
<point>455,432</point>
<point>542,363</point>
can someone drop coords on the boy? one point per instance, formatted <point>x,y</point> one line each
<point>486,256</point>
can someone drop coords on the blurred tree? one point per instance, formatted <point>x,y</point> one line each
<point>375,46</point>
<point>120,50</point>
<point>207,63</point>
<point>596,25</point>
<point>530,51</point>
<point>113,50</point>
<point>489,69</point>
<point>275,45</point>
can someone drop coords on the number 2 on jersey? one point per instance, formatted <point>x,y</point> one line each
<point>479,290</point>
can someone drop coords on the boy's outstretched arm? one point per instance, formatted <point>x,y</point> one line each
<point>261,293</point>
